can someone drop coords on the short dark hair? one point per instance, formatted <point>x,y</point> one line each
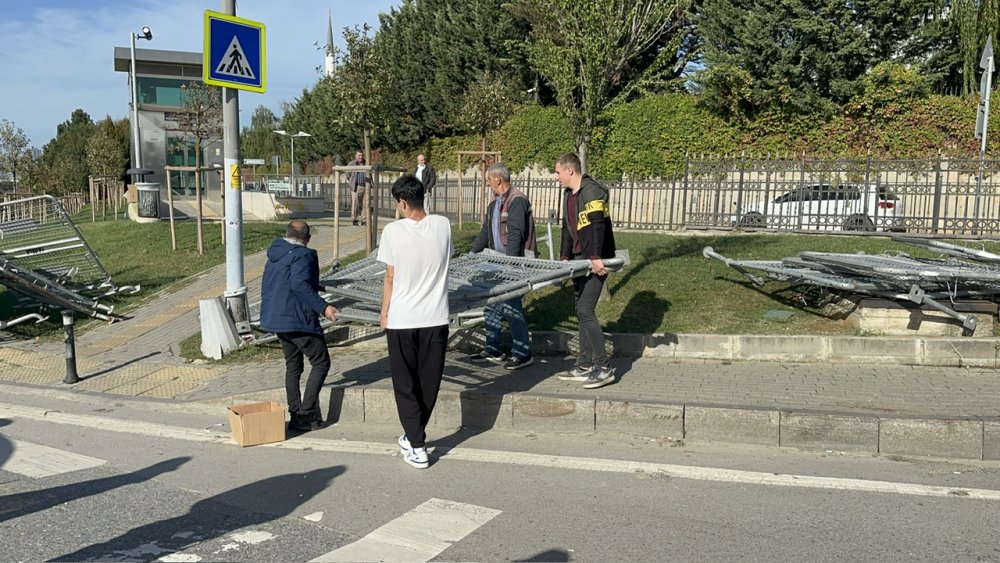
<point>409,189</point>
<point>298,230</point>
<point>570,160</point>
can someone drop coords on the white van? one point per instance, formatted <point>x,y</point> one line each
<point>826,207</point>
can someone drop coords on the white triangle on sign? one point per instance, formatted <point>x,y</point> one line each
<point>234,63</point>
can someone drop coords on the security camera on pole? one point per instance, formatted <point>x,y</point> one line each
<point>234,59</point>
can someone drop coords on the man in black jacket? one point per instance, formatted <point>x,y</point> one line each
<point>509,228</point>
<point>586,234</point>
<point>428,177</point>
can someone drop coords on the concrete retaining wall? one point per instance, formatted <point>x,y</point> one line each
<point>919,351</point>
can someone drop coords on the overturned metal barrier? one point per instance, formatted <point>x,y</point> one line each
<point>44,258</point>
<point>474,281</point>
<point>39,235</point>
<point>936,283</point>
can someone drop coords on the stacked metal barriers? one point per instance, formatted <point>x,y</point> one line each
<point>474,281</point>
<point>935,282</point>
<point>44,258</point>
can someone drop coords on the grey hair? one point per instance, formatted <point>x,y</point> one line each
<point>498,170</point>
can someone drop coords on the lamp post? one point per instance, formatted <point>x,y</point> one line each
<point>291,137</point>
<point>137,163</point>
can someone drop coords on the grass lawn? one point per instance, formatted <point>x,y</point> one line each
<point>671,287</point>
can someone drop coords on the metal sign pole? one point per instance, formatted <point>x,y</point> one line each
<point>236,290</point>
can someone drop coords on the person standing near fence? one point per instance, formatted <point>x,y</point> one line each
<point>586,234</point>
<point>428,177</point>
<point>509,228</point>
<point>357,181</point>
<point>416,250</point>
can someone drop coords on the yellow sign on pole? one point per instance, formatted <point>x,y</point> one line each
<point>234,176</point>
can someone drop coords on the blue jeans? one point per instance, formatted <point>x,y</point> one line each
<point>513,311</point>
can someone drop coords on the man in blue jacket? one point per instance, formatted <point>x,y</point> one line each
<point>290,307</point>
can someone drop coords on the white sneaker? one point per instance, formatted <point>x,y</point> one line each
<point>575,374</point>
<point>417,457</point>
<point>404,445</point>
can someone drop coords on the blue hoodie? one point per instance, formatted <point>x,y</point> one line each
<point>289,291</point>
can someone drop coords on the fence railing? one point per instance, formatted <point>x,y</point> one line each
<point>946,197</point>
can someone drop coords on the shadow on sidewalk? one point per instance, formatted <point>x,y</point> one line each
<point>118,366</point>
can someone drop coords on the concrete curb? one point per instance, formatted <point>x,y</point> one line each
<point>917,351</point>
<point>971,438</point>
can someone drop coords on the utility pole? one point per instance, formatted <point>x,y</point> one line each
<point>236,289</point>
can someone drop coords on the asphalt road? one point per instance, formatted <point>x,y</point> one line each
<point>82,478</point>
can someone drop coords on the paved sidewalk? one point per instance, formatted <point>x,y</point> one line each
<point>859,405</point>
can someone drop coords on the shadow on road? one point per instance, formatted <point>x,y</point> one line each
<point>6,446</point>
<point>213,517</point>
<point>22,504</point>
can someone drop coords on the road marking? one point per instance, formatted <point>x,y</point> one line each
<point>36,461</point>
<point>419,535</point>
<point>515,458</point>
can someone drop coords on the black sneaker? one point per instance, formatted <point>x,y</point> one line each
<point>304,423</point>
<point>517,363</point>
<point>485,356</point>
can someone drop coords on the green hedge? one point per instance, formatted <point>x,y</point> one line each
<point>649,137</point>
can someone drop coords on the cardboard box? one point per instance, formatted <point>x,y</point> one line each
<point>257,423</point>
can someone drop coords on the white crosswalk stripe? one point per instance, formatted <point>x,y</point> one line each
<point>419,535</point>
<point>34,460</point>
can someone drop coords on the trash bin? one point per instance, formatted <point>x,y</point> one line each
<point>148,201</point>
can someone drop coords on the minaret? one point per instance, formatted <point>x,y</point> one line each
<point>329,45</point>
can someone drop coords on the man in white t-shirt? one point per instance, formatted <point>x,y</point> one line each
<point>416,250</point>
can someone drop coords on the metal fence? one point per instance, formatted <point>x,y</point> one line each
<point>945,197</point>
<point>949,197</point>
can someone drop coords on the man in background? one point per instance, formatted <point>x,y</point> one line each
<point>357,181</point>
<point>428,177</point>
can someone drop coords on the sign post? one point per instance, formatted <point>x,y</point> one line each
<point>234,58</point>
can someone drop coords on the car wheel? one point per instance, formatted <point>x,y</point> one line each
<point>752,219</point>
<point>859,223</point>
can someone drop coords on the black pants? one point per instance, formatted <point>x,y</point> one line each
<point>416,361</point>
<point>295,345</point>
<point>587,290</point>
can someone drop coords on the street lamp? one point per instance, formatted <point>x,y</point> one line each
<point>291,137</point>
<point>137,163</point>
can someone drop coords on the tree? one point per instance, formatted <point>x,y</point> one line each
<point>258,139</point>
<point>597,52</point>
<point>360,84</point>
<point>65,156</point>
<point>791,57</point>
<point>107,153</point>
<point>433,50</point>
<point>13,148</point>
<point>200,117</point>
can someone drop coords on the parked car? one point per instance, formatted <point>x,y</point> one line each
<point>826,207</point>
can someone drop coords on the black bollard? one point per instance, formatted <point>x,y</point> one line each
<point>71,375</point>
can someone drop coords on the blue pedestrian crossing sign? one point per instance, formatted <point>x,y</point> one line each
<point>234,52</point>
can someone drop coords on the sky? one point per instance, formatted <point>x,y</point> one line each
<point>58,55</point>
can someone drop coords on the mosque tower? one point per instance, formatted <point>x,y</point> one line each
<point>329,46</point>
